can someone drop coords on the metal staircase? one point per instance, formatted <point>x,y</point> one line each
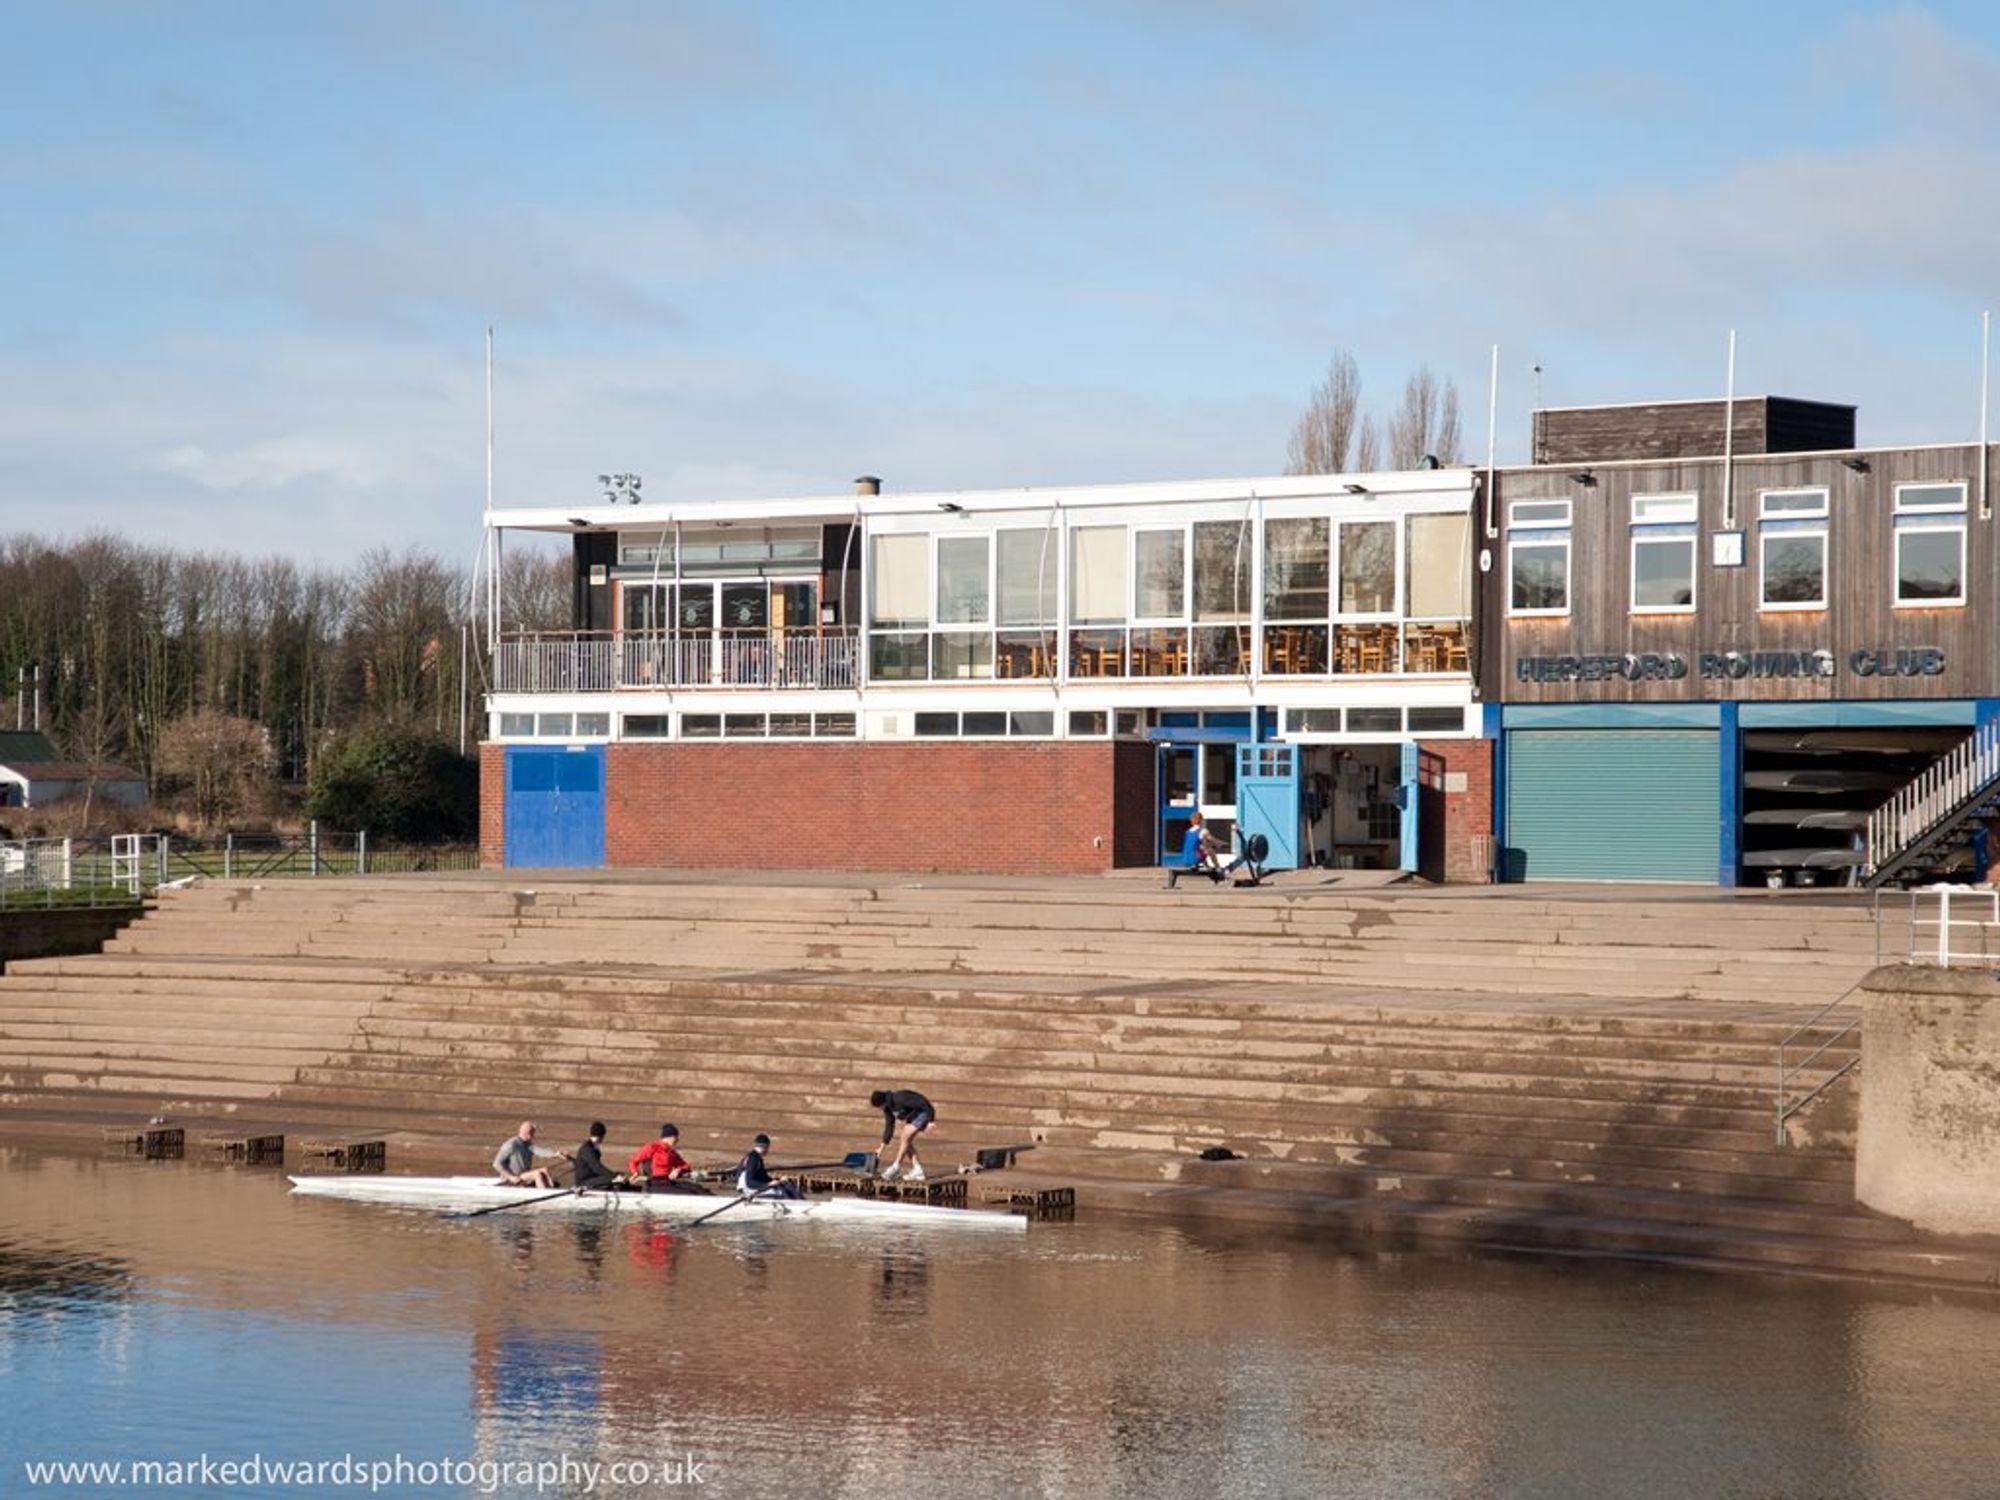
<point>1930,813</point>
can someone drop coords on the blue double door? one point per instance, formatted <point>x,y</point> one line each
<point>555,806</point>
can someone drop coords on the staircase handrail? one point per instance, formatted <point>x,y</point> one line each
<point>1786,1109</point>
<point>1940,793</point>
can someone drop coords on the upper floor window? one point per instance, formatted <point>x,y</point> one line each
<point>1791,549</point>
<point>1930,543</point>
<point>1538,557</point>
<point>1663,553</point>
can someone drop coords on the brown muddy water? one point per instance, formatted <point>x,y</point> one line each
<point>197,1317</point>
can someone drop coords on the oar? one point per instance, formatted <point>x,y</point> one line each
<point>732,1203</point>
<point>520,1203</point>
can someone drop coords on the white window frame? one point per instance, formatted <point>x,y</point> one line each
<point>1132,535</point>
<point>958,627</point>
<point>1662,520</point>
<point>1932,519</point>
<point>1796,522</point>
<point>1527,527</point>
<point>1337,549</point>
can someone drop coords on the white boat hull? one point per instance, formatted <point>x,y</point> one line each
<point>466,1194</point>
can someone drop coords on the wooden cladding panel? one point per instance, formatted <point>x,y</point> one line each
<point>1861,612</point>
<point>1688,429</point>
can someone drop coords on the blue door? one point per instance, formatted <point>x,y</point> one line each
<point>1410,801</point>
<point>1267,801</point>
<point>555,806</point>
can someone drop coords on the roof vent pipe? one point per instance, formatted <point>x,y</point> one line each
<point>867,484</point>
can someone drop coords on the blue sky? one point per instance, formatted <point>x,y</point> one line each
<point>248,251</point>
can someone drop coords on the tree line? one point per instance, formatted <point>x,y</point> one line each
<point>133,641</point>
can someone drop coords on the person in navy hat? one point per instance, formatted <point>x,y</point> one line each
<point>753,1176</point>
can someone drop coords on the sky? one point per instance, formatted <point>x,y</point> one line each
<point>249,252</point>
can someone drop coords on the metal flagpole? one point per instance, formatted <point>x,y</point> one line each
<point>1985,351</point>
<point>1729,441</point>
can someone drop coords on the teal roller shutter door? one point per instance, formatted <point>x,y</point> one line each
<point>1627,804</point>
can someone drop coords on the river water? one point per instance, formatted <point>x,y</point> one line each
<point>182,1314</point>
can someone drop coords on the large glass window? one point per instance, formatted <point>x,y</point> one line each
<point>1367,567</point>
<point>899,597</point>
<point>1663,553</point>
<point>1930,543</point>
<point>1538,557</point>
<point>1295,568</point>
<point>1437,564</point>
<point>1097,575</point>
<point>1159,575</point>
<point>1223,570</point>
<point>964,580</point>
<point>899,580</point>
<point>1791,549</point>
<point>1025,561</point>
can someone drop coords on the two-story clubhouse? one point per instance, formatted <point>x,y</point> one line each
<point>1022,680</point>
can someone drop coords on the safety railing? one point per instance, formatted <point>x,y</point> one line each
<point>1953,783</point>
<point>122,869</point>
<point>1945,926</point>
<point>586,663</point>
<point>1792,1093</point>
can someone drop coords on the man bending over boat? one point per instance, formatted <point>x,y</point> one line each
<point>515,1160</point>
<point>753,1176</point>
<point>906,1114</point>
<point>661,1167</point>
<point>591,1172</point>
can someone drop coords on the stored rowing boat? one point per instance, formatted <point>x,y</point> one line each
<point>467,1194</point>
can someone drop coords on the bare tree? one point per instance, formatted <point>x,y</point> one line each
<point>1323,436</point>
<point>535,590</point>
<point>220,763</point>
<point>1368,448</point>
<point>1426,423</point>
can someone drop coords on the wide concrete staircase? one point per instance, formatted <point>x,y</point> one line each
<point>1749,950</point>
<point>1395,1069</point>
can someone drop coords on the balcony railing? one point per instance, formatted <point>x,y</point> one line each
<point>602,663</point>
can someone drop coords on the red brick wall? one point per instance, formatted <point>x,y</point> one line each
<point>1468,814</point>
<point>1048,807</point>
<point>492,806</point>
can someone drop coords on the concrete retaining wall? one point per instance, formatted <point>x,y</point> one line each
<point>60,932</point>
<point>1929,1146</point>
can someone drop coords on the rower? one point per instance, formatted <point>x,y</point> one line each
<point>660,1165</point>
<point>906,1114</point>
<point>591,1172</point>
<point>753,1176</point>
<point>515,1160</point>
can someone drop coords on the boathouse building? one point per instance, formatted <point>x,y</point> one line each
<point>1697,641</point>
<point>1722,657</point>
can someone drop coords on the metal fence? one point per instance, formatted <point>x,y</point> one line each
<point>1949,926</point>
<point>122,869</point>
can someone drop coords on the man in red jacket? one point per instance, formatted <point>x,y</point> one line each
<point>660,1165</point>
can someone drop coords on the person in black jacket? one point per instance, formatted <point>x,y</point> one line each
<point>589,1159</point>
<point>906,1114</point>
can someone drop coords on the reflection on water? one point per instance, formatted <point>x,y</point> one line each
<point>149,1309</point>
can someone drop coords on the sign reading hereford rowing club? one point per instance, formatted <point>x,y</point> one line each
<point>1730,666</point>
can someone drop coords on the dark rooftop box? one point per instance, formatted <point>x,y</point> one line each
<point>1688,429</point>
